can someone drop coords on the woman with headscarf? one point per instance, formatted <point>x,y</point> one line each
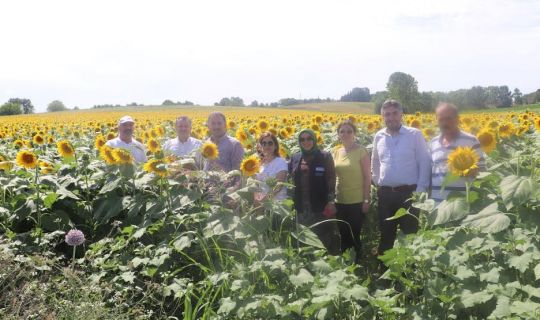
<point>313,174</point>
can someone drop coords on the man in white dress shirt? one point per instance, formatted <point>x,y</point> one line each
<point>184,145</point>
<point>400,165</point>
<point>125,140</point>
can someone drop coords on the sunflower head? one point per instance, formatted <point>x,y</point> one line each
<point>100,141</point>
<point>262,125</point>
<point>153,145</point>
<point>463,161</point>
<point>156,166</point>
<point>250,166</point>
<point>506,130</point>
<point>209,151</point>
<point>122,156</point>
<point>6,165</point>
<point>65,149</point>
<point>487,140</point>
<point>27,159</point>
<point>38,139</point>
<point>106,154</point>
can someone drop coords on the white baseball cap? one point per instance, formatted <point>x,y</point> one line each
<point>126,119</point>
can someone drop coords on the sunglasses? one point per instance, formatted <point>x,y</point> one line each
<point>306,139</point>
<point>267,143</point>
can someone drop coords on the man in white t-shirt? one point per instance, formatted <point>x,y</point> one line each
<point>125,140</point>
<point>184,145</point>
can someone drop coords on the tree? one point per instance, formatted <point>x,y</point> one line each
<point>167,103</point>
<point>517,96</point>
<point>232,101</point>
<point>426,102</point>
<point>476,97</point>
<point>55,106</point>
<point>26,104</point>
<point>378,99</point>
<point>357,95</point>
<point>10,108</point>
<point>404,88</point>
<point>254,103</point>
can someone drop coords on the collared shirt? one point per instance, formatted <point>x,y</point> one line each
<point>230,155</point>
<point>184,149</point>
<point>401,159</point>
<point>137,149</point>
<point>439,157</point>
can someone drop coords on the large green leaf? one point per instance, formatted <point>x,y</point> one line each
<point>306,236</point>
<point>489,219</point>
<point>107,208</point>
<point>451,210</point>
<point>303,277</point>
<point>516,190</point>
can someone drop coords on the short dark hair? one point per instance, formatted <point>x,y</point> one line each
<point>182,118</point>
<point>216,114</point>
<point>392,103</point>
<point>448,105</point>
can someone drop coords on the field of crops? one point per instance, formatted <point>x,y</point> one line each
<point>159,244</point>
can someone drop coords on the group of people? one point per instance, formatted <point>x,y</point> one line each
<point>332,190</point>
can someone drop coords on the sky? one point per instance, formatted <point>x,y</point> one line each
<point>117,52</point>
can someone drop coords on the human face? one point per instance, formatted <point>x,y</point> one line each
<point>306,141</point>
<point>392,117</point>
<point>217,126</point>
<point>268,147</point>
<point>125,130</point>
<point>346,134</point>
<point>448,120</point>
<point>183,128</point>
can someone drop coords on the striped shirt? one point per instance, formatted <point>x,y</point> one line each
<point>439,159</point>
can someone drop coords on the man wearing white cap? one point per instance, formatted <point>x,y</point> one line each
<point>125,140</point>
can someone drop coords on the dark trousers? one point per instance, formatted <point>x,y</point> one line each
<point>350,229</point>
<point>389,202</point>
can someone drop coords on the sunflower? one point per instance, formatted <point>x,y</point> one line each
<point>100,141</point>
<point>106,154</point>
<point>262,125</point>
<point>241,135</point>
<point>537,123</point>
<point>153,145</point>
<point>463,161</point>
<point>209,150</point>
<point>156,166</point>
<point>38,139</point>
<point>27,159</point>
<point>506,130</point>
<point>428,133</point>
<point>415,123</point>
<point>487,140</point>
<point>46,167</point>
<point>6,166</point>
<point>111,135</point>
<point>122,156</point>
<point>65,149</point>
<point>18,143</point>
<point>250,166</point>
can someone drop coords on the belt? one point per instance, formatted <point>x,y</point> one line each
<point>403,188</point>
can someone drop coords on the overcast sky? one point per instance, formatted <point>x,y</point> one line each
<point>111,51</point>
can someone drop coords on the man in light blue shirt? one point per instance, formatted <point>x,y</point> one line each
<point>400,165</point>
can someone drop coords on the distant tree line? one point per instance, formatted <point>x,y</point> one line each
<point>178,103</point>
<point>17,106</point>
<point>230,102</point>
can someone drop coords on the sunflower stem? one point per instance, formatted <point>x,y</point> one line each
<point>38,207</point>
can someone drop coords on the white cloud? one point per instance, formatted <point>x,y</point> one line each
<point>123,51</point>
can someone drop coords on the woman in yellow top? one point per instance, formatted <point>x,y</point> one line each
<point>353,186</point>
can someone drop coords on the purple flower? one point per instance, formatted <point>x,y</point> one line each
<point>74,237</point>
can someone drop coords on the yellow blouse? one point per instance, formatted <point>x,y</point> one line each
<point>349,175</point>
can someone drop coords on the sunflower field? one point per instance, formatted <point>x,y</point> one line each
<point>88,234</point>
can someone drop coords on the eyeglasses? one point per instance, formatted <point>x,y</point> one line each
<point>346,131</point>
<point>306,139</point>
<point>267,143</point>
